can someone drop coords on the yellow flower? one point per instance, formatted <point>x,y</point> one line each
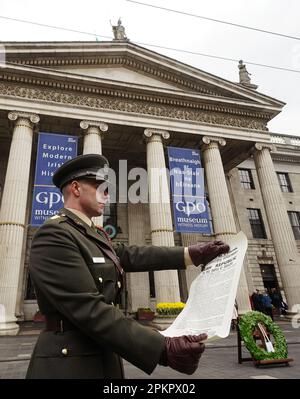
<point>169,308</point>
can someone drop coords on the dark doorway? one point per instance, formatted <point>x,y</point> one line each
<point>269,276</point>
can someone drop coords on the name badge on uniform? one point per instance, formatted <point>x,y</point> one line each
<point>98,260</point>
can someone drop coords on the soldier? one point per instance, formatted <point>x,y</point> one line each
<point>77,274</point>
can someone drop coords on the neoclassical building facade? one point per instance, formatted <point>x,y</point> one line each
<point>130,103</point>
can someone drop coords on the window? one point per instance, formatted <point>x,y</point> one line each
<point>246,178</point>
<point>295,223</point>
<point>256,223</point>
<point>284,182</point>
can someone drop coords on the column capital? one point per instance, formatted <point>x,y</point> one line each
<point>261,146</point>
<point>210,140</point>
<point>14,115</point>
<point>102,126</point>
<point>151,132</point>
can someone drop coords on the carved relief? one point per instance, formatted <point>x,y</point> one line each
<point>137,106</point>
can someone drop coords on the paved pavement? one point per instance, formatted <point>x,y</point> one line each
<point>219,360</point>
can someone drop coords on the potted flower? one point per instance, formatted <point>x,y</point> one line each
<point>169,309</point>
<point>145,314</point>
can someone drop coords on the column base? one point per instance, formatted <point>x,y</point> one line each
<point>10,328</point>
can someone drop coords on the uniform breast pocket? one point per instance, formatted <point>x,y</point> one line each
<point>105,276</point>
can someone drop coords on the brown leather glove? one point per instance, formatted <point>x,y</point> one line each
<point>183,353</point>
<point>204,253</point>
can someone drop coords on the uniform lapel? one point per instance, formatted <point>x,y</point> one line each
<point>80,224</point>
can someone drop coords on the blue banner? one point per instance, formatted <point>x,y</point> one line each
<point>52,152</point>
<point>187,189</point>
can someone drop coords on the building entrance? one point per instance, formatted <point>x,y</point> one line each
<point>269,276</point>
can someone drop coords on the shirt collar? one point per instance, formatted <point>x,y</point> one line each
<point>81,216</point>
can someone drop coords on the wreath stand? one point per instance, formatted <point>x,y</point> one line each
<point>259,335</point>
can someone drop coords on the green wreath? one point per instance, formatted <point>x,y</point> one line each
<point>248,323</point>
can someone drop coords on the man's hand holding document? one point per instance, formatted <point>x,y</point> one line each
<point>212,295</point>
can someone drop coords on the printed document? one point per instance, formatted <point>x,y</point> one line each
<point>212,295</point>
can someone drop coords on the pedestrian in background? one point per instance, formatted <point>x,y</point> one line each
<point>267,305</point>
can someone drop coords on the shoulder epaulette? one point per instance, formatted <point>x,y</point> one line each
<point>57,218</point>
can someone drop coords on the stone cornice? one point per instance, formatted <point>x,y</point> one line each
<point>123,101</point>
<point>285,158</point>
<point>88,84</point>
<point>75,52</point>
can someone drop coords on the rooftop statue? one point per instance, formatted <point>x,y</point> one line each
<point>244,74</point>
<point>119,31</point>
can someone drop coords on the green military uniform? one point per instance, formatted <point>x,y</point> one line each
<point>77,274</point>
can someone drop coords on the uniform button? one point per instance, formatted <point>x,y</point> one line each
<point>64,351</point>
<point>119,284</point>
<point>100,279</point>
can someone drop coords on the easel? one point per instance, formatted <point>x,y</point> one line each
<point>257,335</point>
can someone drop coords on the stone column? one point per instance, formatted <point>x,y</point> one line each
<point>92,144</point>
<point>222,215</point>
<point>93,134</point>
<point>287,255</point>
<point>138,282</point>
<point>12,217</point>
<point>166,282</point>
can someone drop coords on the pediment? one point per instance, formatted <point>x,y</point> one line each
<point>132,65</point>
<point>117,74</point>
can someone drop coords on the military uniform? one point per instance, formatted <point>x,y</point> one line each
<point>77,274</point>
